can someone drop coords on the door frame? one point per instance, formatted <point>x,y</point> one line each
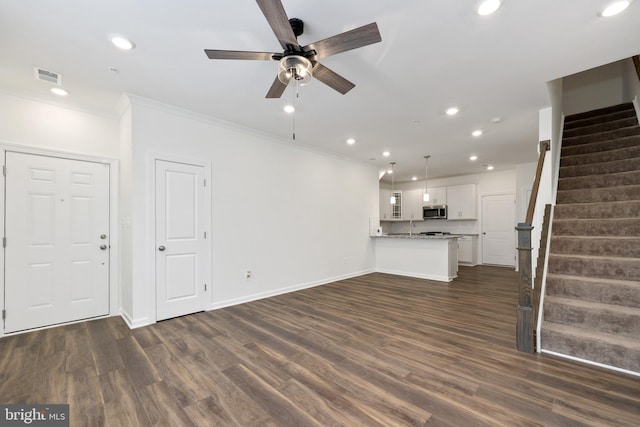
<point>151,226</point>
<point>114,230</point>
<point>481,225</point>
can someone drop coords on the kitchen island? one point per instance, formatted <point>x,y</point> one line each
<point>417,255</point>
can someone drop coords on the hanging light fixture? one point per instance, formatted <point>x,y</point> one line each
<point>425,197</point>
<point>295,67</point>
<point>392,200</point>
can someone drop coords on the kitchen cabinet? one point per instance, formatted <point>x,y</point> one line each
<point>389,212</point>
<point>437,196</point>
<point>412,205</point>
<point>462,202</point>
<point>467,250</point>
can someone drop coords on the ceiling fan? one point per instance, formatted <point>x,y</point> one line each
<point>300,63</point>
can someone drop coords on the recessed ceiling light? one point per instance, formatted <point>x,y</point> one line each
<point>615,8</point>
<point>122,42</point>
<point>390,171</point>
<point>497,119</point>
<point>476,133</point>
<point>59,91</point>
<point>386,153</point>
<point>487,7</point>
<point>351,141</point>
<point>452,111</point>
<point>489,167</point>
<point>473,158</point>
<point>414,178</point>
<point>289,108</point>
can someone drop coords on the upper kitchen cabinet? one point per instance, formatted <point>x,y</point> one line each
<point>412,205</point>
<point>437,196</point>
<point>462,202</point>
<point>389,212</point>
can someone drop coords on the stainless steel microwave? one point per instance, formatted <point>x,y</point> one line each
<point>434,212</point>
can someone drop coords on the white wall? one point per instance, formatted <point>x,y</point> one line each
<point>592,89</point>
<point>292,216</point>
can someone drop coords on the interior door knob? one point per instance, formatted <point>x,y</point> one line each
<point>161,248</point>
<point>103,247</point>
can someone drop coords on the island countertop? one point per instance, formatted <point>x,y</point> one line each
<point>417,236</point>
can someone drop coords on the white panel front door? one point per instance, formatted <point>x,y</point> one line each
<point>57,230</point>
<point>498,230</point>
<point>180,287</point>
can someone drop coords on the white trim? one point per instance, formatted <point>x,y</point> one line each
<point>114,230</point>
<point>590,362</point>
<point>286,290</point>
<point>150,230</point>
<point>543,282</point>
<point>133,324</point>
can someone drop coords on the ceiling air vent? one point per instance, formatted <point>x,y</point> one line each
<point>48,76</point>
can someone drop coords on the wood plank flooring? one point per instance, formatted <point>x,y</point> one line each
<point>377,350</point>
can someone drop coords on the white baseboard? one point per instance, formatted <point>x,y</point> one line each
<point>281,291</point>
<point>590,362</point>
<point>133,324</point>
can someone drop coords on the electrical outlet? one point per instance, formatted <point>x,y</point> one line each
<point>247,274</point>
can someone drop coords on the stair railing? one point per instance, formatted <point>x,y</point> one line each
<point>526,312</point>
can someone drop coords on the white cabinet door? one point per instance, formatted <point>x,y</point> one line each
<point>462,203</point>
<point>385,206</point>
<point>180,250</point>
<point>437,196</point>
<point>412,205</point>
<point>57,229</point>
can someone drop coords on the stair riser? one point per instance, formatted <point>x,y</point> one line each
<point>596,351</point>
<point>624,248</point>
<point>601,127</point>
<point>600,181</point>
<point>608,321</point>
<point>599,112</point>
<point>606,156</point>
<point>599,147</point>
<point>597,210</point>
<point>622,293</point>
<point>599,195</point>
<point>600,136</point>
<point>626,165</point>
<point>597,227</point>
<point>611,268</point>
<point>624,114</point>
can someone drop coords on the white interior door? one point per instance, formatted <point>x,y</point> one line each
<point>498,230</point>
<point>57,247</point>
<point>180,248</point>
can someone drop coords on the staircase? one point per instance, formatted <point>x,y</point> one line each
<point>592,299</point>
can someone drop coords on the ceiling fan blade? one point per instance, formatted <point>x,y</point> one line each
<point>241,54</point>
<point>332,79</point>
<point>279,22</point>
<point>277,89</point>
<point>353,39</point>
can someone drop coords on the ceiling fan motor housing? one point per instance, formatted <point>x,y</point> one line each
<point>297,26</point>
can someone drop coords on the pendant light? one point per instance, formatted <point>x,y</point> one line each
<point>392,200</point>
<point>425,197</point>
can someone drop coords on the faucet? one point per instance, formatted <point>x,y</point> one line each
<point>411,226</point>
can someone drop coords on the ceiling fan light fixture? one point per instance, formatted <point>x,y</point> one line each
<point>295,67</point>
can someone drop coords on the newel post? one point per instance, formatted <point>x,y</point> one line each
<point>524,328</point>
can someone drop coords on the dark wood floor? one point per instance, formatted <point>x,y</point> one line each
<point>378,350</point>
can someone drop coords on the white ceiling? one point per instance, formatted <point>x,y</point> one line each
<point>433,54</point>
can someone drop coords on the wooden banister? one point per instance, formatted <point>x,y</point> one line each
<point>526,315</point>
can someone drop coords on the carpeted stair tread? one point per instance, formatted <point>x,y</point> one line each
<point>611,210</point>
<point>601,146</point>
<point>606,291</point>
<point>606,156</point>
<point>609,135</point>
<point>601,127</point>
<point>607,349</point>
<point>620,246</point>
<point>605,267</point>
<point>596,316</point>
<point>597,227</point>
<point>615,166</point>
<point>600,181</point>
<point>599,195</point>
<point>598,112</point>
<point>622,114</point>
